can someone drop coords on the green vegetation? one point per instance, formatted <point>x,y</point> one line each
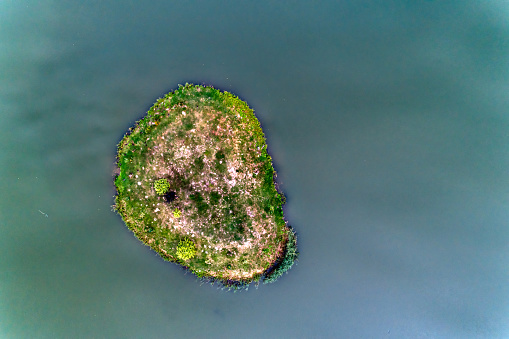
<point>186,249</point>
<point>162,186</point>
<point>196,184</point>
<point>286,263</point>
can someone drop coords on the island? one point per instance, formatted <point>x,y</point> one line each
<point>195,182</point>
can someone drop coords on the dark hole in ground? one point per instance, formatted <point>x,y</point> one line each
<point>170,196</point>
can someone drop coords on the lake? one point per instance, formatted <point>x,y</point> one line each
<point>388,124</point>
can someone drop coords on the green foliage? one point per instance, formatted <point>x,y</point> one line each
<point>186,249</point>
<point>187,123</point>
<point>198,162</point>
<point>220,162</point>
<point>214,198</point>
<point>201,205</point>
<point>291,255</point>
<point>162,186</point>
<point>176,213</point>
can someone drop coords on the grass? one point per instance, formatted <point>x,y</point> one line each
<point>205,151</point>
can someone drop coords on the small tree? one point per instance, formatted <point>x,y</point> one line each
<point>176,213</point>
<point>162,186</point>
<point>186,249</point>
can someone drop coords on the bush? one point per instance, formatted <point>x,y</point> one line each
<point>186,249</point>
<point>291,255</point>
<point>176,213</point>
<point>162,186</point>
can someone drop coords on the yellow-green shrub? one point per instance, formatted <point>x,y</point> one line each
<point>186,249</point>
<point>162,186</point>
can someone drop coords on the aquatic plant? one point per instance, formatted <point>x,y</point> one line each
<point>287,262</point>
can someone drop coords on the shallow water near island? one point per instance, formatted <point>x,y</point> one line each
<point>388,126</point>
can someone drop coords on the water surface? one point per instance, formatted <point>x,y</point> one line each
<point>388,124</point>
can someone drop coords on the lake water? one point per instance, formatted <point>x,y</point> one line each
<point>388,123</point>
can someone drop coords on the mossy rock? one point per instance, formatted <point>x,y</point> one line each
<point>195,172</point>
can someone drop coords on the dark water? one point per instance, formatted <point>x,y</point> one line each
<point>388,123</point>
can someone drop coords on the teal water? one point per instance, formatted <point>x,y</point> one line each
<point>388,123</point>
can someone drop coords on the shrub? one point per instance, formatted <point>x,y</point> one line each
<point>291,255</point>
<point>162,186</point>
<point>176,213</point>
<point>186,249</point>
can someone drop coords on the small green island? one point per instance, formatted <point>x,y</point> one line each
<point>195,183</point>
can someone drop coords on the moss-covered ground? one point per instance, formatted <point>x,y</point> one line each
<point>222,198</point>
